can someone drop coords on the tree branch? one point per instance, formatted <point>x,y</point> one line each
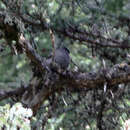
<point>17,92</point>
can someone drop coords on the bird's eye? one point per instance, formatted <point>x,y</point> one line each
<point>66,49</point>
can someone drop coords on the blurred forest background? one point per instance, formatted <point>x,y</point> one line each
<point>94,94</point>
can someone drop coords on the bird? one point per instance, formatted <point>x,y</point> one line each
<point>59,60</point>
<point>62,58</point>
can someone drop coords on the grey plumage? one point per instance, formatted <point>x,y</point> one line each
<point>60,60</point>
<point>62,57</point>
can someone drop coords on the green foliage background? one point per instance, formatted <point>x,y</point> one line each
<point>83,13</point>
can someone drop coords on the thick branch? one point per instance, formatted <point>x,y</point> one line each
<point>31,53</point>
<point>116,75</point>
<point>84,37</point>
<point>17,92</point>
